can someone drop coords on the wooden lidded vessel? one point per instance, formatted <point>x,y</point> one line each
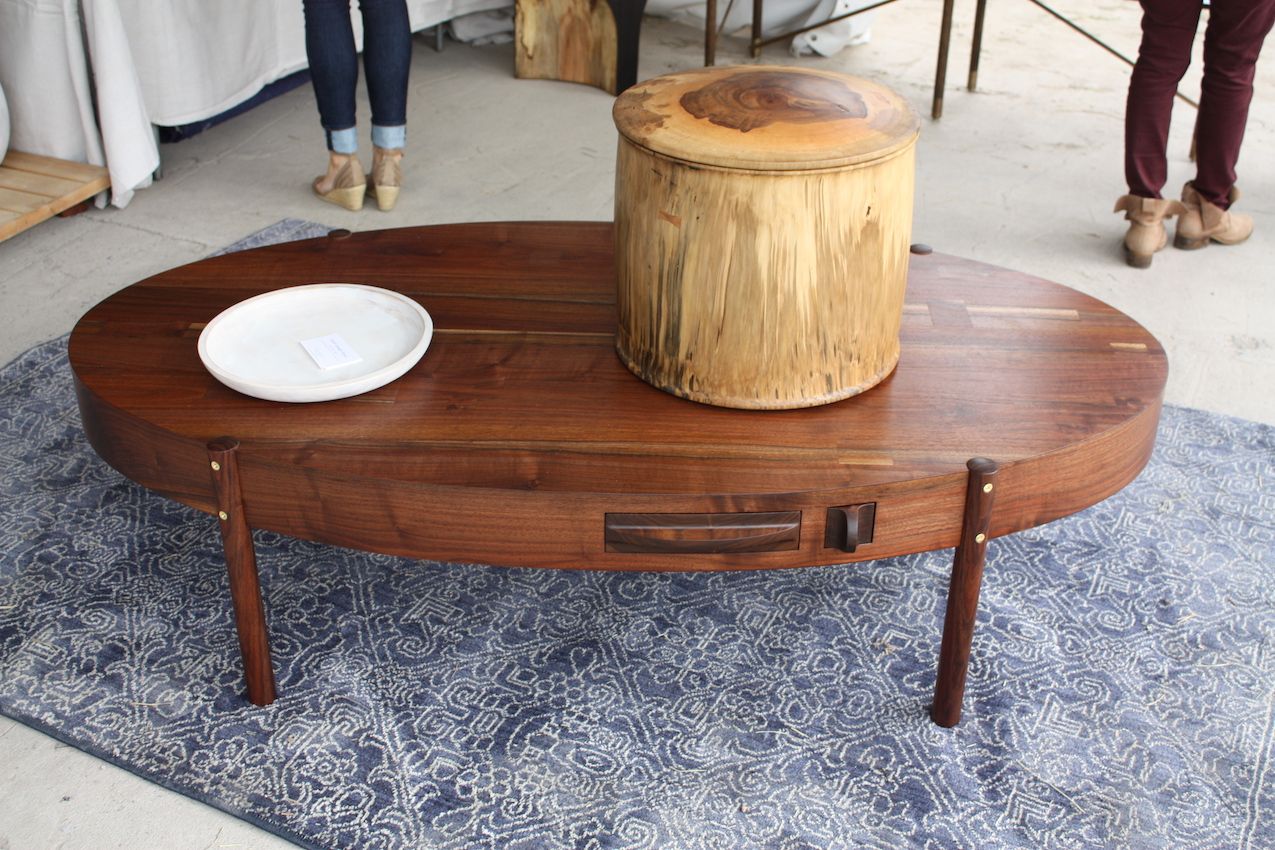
<point>762,221</point>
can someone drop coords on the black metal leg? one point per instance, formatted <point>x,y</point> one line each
<point>940,74</point>
<point>628,30</point>
<point>977,46</point>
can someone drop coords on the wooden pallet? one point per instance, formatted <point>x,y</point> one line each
<point>34,188</point>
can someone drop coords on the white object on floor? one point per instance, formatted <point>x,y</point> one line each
<point>316,342</point>
<point>833,38</point>
<point>494,26</point>
<point>4,125</point>
<point>781,16</point>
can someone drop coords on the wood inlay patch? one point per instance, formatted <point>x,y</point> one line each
<point>950,314</point>
<point>1025,312</point>
<point>531,336</point>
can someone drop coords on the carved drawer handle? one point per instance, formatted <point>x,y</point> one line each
<point>703,534</point>
<point>850,526</point>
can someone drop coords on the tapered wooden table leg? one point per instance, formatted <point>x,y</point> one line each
<point>962,594</point>
<point>241,562</point>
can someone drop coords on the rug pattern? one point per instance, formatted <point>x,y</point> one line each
<point>1121,691</point>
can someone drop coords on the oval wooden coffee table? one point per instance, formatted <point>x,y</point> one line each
<point>520,438</point>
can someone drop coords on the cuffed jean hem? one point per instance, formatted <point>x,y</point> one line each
<point>344,141</point>
<point>389,137</point>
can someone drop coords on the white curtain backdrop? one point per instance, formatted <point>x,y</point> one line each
<point>87,79</point>
<point>780,16</point>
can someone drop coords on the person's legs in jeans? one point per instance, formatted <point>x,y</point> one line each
<point>1232,42</point>
<point>334,70</point>
<point>387,59</point>
<point>1168,31</point>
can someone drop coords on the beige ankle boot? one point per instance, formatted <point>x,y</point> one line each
<point>1203,222</point>
<point>386,177</point>
<point>1146,234</point>
<point>344,184</point>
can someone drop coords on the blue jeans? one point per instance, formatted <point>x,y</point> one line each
<point>334,68</point>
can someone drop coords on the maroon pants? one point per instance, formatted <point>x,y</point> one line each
<point>1232,41</point>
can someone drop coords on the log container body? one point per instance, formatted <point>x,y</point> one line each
<point>569,40</point>
<point>763,217</point>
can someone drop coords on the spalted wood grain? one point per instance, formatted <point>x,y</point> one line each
<point>761,290</point>
<point>763,216</point>
<point>766,117</point>
<point>520,429</point>
<point>570,40</point>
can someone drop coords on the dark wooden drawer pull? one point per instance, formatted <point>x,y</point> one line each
<point>849,526</point>
<point>702,534</point>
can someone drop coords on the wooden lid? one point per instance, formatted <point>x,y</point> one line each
<point>766,117</point>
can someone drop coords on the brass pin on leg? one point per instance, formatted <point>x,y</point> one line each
<point>962,594</point>
<point>241,563</point>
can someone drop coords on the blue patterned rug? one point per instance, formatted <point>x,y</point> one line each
<point>1121,692</point>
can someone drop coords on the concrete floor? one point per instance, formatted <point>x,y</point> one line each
<point>1022,173</point>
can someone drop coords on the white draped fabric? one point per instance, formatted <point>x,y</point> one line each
<point>780,16</point>
<point>45,74</point>
<point>733,18</point>
<point>87,79</point>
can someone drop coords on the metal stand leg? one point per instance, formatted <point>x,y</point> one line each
<point>628,30</point>
<point>158,173</point>
<point>977,46</point>
<point>241,563</point>
<point>710,33</point>
<point>962,594</point>
<point>940,74</point>
<point>754,44</point>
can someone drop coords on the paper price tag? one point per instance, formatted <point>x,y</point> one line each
<point>330,352</point>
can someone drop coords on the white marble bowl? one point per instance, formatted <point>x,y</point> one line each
<point>298,344</point>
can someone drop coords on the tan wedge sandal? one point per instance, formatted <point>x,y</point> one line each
<point>1146,232</point>
<point>386,177</point>
<point>345,184</point>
